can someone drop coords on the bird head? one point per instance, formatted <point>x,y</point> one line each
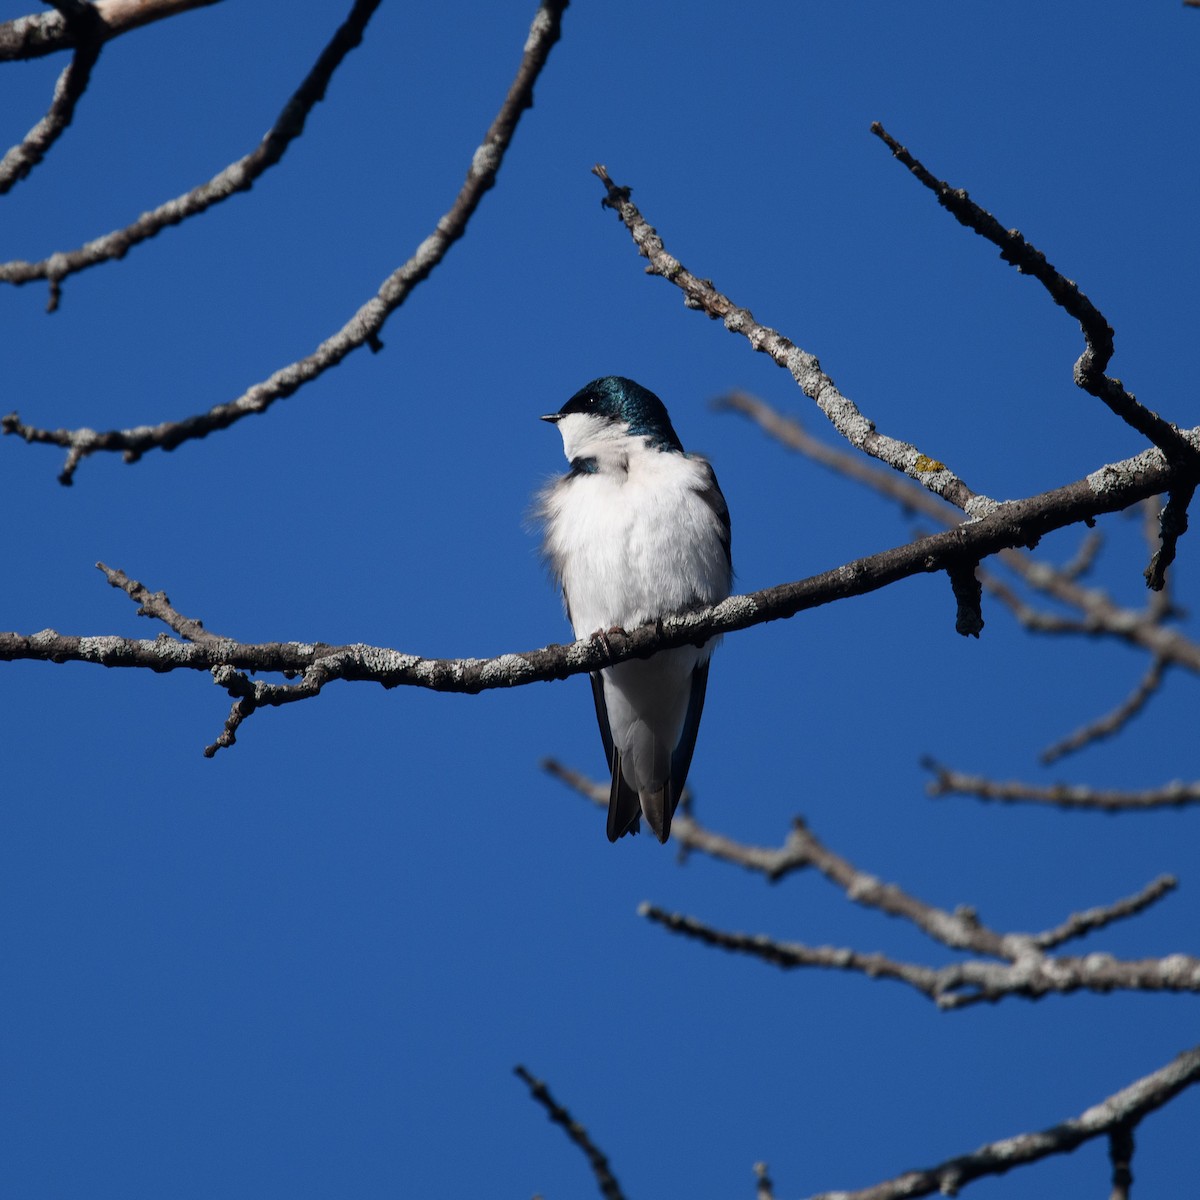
<point>612,409</point>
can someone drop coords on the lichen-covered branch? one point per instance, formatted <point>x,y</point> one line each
<point>1019,963</point>
<point>364,326</point>
<point>23,157</point>
<point>1094,613</point>
<point>1020,522</point>
<point>49,32</point>
<point>804,368</point>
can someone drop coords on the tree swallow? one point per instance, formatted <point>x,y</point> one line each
<point>637,530</point>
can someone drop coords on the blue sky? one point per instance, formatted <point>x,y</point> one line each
<point>307,967</point>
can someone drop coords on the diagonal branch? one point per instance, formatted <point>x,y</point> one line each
<point>23,157</point>
<point>605,1179</point>
<point>1097,333</point>
<point>1121,1111</point>
<point>803,367</point>
<point>237,177</point>
<point>1111,722</point>
<point>957,985</point>
<point>364,326</point>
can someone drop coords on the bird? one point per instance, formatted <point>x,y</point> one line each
<point>637,530</point>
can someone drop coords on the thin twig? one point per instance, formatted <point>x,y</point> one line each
<point>764,1189</point>
<point>803,367</point>
<point>1120,1153</point>
<point>1173,523</point>
<point>364,326</point>
<point>605,1179</point>
<point>157,605</point>
<point>947,782</point>
<point>1112,722</point>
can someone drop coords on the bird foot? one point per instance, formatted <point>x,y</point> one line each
<point>602,636</point>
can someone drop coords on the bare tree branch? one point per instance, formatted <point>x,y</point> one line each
<point>1097,334</point>
<point>1098,614</point>
<point>237,177</point>
<point>947,782</point>
<point>962,984</point>
<point>765,1189</point>
<point>803,367</point>
<point>47,33</point>
<point>1120,1112</point>
<point>605,1179</point>
<point>1120,1152</point>
<point>22,158</point>
<point>1112,722</point>
<point>1024,970</point>
<point>1173,523</point>
<point>364,327</point>
<point>1113,487</point>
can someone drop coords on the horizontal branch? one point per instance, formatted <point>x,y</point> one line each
<point>1014,523</point>
<point>49,32</point>
<point>947,782</point>
<point>1024,968</point>
<point>962,984</point>
<point>365,325</point>
<point>1121,1111</point>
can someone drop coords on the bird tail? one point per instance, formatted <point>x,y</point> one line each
<point>624,807</point>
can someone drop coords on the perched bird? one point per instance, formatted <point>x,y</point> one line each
<point>637,530</point>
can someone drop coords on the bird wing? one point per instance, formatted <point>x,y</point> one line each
<point>711,494</point>
<point>681,760</point>
<point>624,808</point>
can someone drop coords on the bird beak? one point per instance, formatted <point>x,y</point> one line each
<point>553,418</point>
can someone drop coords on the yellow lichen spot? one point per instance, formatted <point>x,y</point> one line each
<point>925,464</point>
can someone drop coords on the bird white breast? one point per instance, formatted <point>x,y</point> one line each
<point>636,539</point>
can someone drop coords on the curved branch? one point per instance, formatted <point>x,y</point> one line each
<point>364,326</point>
<point>605,1179</point>
<point>237,177</point>
<point>803,367</point>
